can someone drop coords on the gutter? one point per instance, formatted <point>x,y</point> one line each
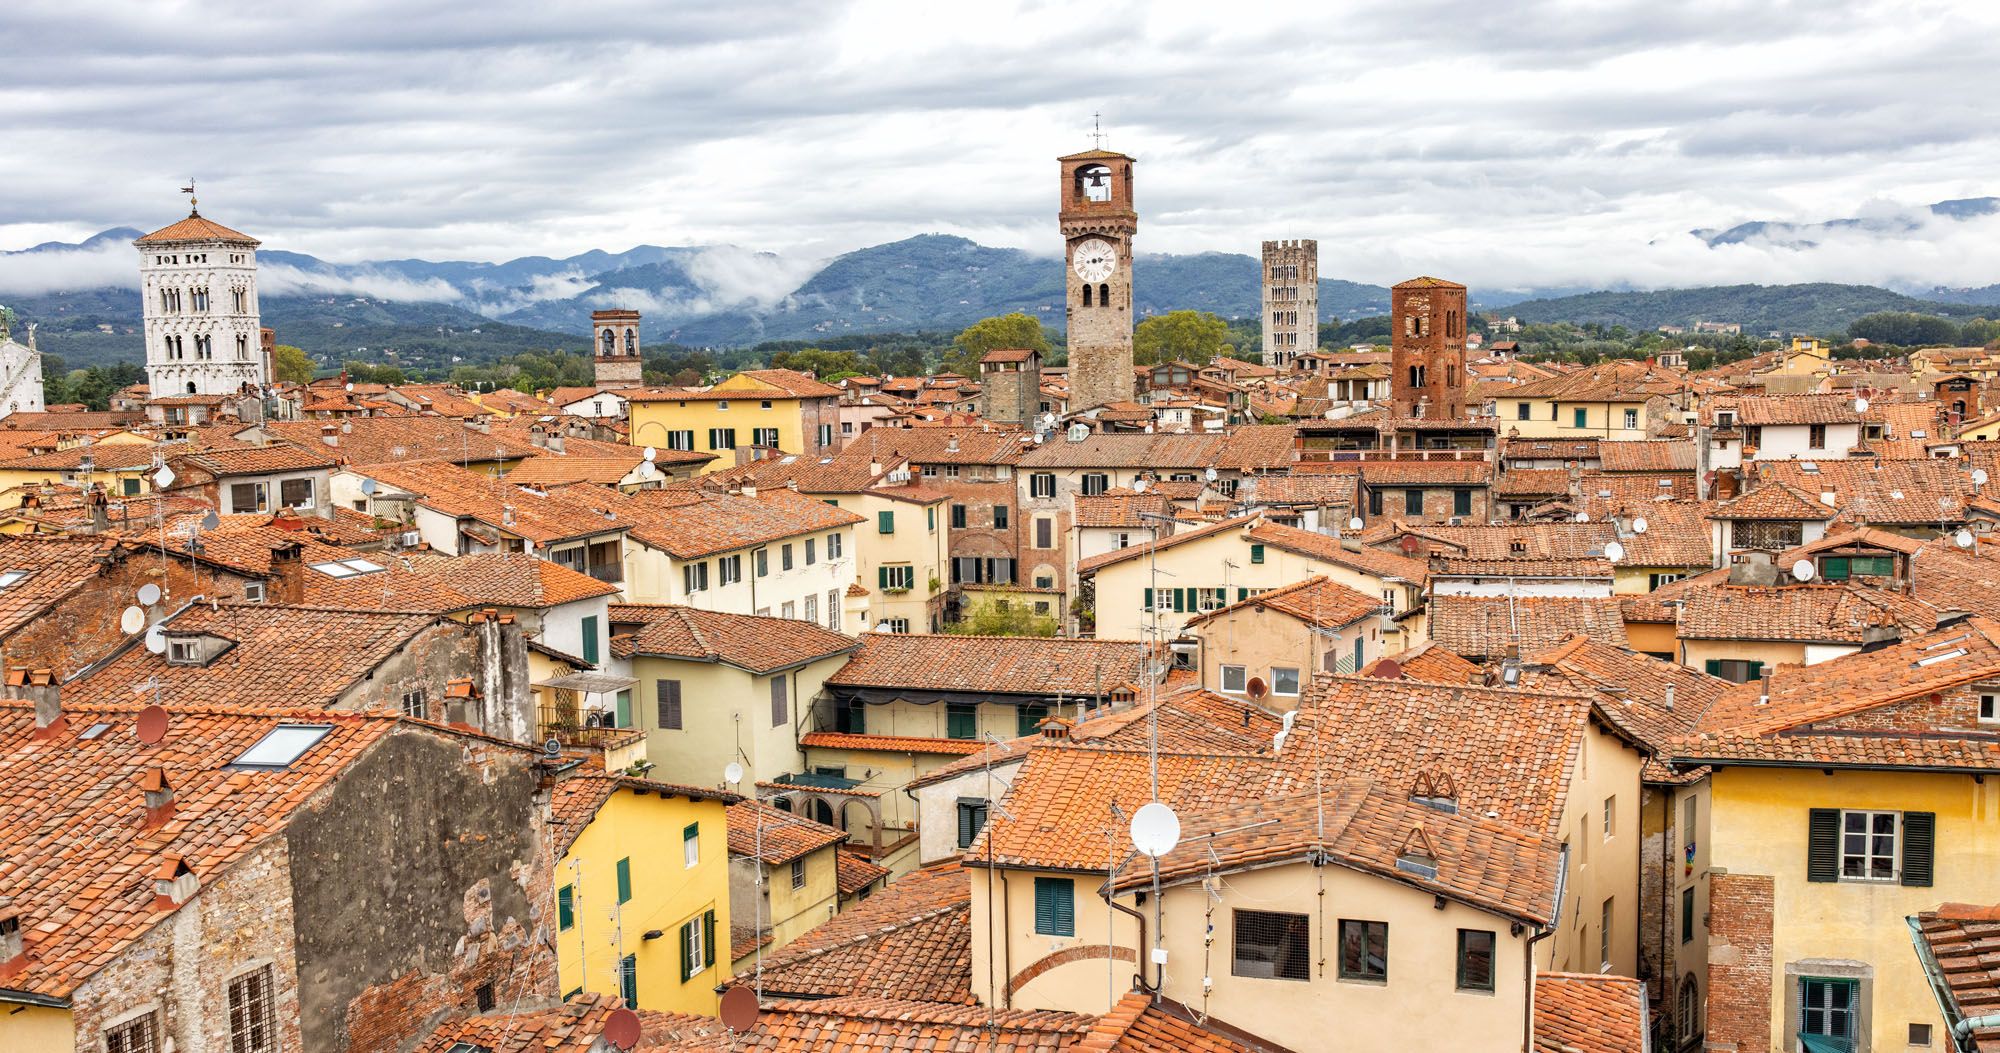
<point>31,998</point>
<point>1928,769</point>
<point>1110,901</point>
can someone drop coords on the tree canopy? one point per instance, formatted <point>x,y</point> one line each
<point>292,365</point>
<point>991,334</point>
<point>1180,336</point>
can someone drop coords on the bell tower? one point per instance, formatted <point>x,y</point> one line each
<point>1098,221</point>
<point>615,335</point>
<point>1427,348</point>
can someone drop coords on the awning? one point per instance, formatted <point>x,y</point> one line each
<point>1824,1044</point>
<point>589,683</point>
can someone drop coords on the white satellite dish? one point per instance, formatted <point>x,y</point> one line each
<point>1354,524</point>
<point>149,594</point>
<point>368,487</point>
<point>1803,570</point>
<point>883,626</point>
<point>350,385</point>
<point>347,427</point>
<point>133,620</point>
<point>1639,525</point>
<point>156,641</point>
<point>1979,477</point>
<point>1155,830</point>
<point>1614,551</point>
<point>1211,474</point>
<point>732,774</point>
<point>1963,539</point>
<point>1583,517</point>
<point>1138,486</point>
<point>164,477</point>
<point>651,454</point>
<point>1860,405</point>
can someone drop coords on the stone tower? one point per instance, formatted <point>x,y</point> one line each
<point>1097,226</point>
<point>615,334</point>
<point>1291,301</point>
<point>1427,348</point>
<point>1010,384</point>
<point>198,284</point>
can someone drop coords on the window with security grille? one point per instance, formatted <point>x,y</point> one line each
<point>133,1036</point>
<point>1827,1008</point>
<point>1272,945</point>
<point>253,1025</point>
<point>799,873</point>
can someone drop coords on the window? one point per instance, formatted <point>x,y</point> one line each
<point>1734,670</point>
<point>999,517</point>
<point>930,519</point>
<point>133,1036</point>
<point>1857,845</point>
<point>1690,1007</point>
<point>668,695</point>
<point>1816,436</point>
<point>1581,416</point>
<point>722,438</point>
<point>253,591</point>
<point>1687,914</point>
<point>1232,679</point>
<point>1271,945</point>
<point>1475,960</point>
<point>1055,906</point>
<point>697,945</point>
<point>681,440</point>
<point>900,578</point>
<point>1095,483</point>
<point>1868,845</point>
<point>958,517</point>
<point>763,562</point>
<point>1631,419</point>
<point>1045,532</point>
<point>247,497</point>
<point>1604,936</point>
<point>833,546</point>
<point>565,908</point>
<point>590,636</point>
<point>1284,681</point>
<point>482,996</point>
<point>1610,811</point>
<point>885,522</point>
<point>1989,706</point>
<point>695,576</point>
<point>1520,411</point>
<point>281,746</point>
<point>1256,553</point>
<point>296,493</point>
<point>625,880</point>
<point>811,611</point>
<point>825,433</point>
<point>812,551</point>
<point>799,872</point>
<point>691,845</point>
<point>1364,950</point>
<point>897,625</point>
<point>1461,502</point>
<point>729,569</point>
<point>413,704</point>
<point>1920,1034</point>
<point>785,555</point>
<point>1654,581</point>
<point>1413,502</point>
<point>780,707</point>
<point>1827,1009</point>
<point>763,436</point>
<point>1042,484</point>
<point>130,487</point>
<point>833,609</point>
<point>961,720</point>
<point>971,819</point>
<point>253,1026</point>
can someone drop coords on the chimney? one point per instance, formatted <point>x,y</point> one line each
<point>40,687</point>
<point>13,946</point>
<point>100,508</point>
<point>173,883</point>
<point>329,434</point>
<point>555,442</point>
<point>538,436</point>
<point>159,797</point>
<point>1764,693</point>
<point>749,489</point>
<point>480,425</point>
<point>1670,698</point>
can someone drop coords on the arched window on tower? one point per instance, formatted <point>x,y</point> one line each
<point>631,342</point>
<point>191,389</point>
<point>1093,183</point>
<point>607,343</point>
<point>1087,293</point>
<point>1416,376</point>
<point>1104,295</point>
<point>242,346</point>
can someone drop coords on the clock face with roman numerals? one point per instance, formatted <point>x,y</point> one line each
<point>1093,259</point>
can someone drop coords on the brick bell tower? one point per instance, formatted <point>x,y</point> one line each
<point>1097,223</point>
<point>616,337</point>
<point>1427,348</point>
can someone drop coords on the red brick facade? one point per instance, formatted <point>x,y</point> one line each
<point>1427,348</point>
<point>1739,963</point>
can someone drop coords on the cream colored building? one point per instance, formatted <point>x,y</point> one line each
<point>1265,647</point>
<point>783,875</point>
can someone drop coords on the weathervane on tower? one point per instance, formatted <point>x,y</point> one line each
<point>194,208</point>
<point>1096,132</point>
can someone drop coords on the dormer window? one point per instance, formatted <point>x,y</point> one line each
<point>183,652</point>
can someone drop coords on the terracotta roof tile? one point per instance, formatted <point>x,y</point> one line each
<point>1001,665</point>
<point>1963,940</point>
<point>1487,625</point>
<point>863,1024</point>
<point>854,871</point>
<point>390,440</point>
<point>691,524</point>
<point>837,740</point>
<point>757,643</point>
<point>763,384</point>
<point>195,228</point>
<point>1828,613</point>
<point>912,939</point>
<point>759,831</point>
<point>1385,565</point>
<point>1316,601</point>
<point>1659,455</point>
<point>1774,500</point>
<point>1139,1023</point>
<point>576,799</point>
<point>1589,1013</point>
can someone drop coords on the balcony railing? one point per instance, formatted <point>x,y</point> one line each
<point>611,573</point>
<point>580,726</point>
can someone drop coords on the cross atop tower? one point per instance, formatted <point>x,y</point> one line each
<point>193,204</point>
<point>1096,131</point>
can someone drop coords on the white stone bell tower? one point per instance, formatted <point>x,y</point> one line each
<point>198,279</point>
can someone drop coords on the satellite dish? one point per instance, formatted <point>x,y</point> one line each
<point>1964,539</point>
<point>1614,551</point>
<point>156,641</point>
<point>1860,405</point>
<point>733,773</point>
<point>650,454</point>
<point>1639,525</point>
<point>621,1028</point>
<point>1979,477</point>
<point>209,520</point>
<point>149,594</point>
<point>739,1009</point>
<point>347,427</point>
<point>152,724</point>
<point>1410,544</point>
<point>164,477</point>
<point>368,487</point>
<point>1803,570</point>
<point>883,626</point>
<point>350,385</point>
<point>1257,688</point>
<point>1388,669</point>
<point>1583,517</point>
<point>1211,474</point>
<point>552,747</point>
<point>1354,524</point>
<point>1138,486</point>
<point>133,620</point>
<point>1155,830</point>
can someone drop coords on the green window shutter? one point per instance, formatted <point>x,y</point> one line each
<point>930,518</point>
<point>590,639</point>
<point>1919,843</point>
<point>707,938</point>
<point>882,577</point>
<point>1148,605</point>
<point>1461,502</point>
<point>1582,418</point>
<point>628,980</point>
<point>1713,667</point>
<point>885,522</point>
<point>1834,568</point>
<point>1180,600</point>
<point>565,907</point>
<point>961,721</point>
<point>1823,845</point>
<point>1256,553</point>
<point>1028,719</point>
<point>687,950</point>
<point>1756,670</point>
<point>625,880</point>
<point>1242,594</point>
<point>1055,906</point>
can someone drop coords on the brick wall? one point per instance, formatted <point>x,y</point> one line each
<point>83,626</point>
<point>1739,963</point>
<point>1957,708</point>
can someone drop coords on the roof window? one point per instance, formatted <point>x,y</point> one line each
<point>346,568</point>
<point>281,746</point>
<point>94,731</point>
<point>10,578</point>
<point>1958,652</point>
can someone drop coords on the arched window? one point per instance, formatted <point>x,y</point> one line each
<point>191,390</point>
<point>1104,295</point>
<point>1689,1007</point>
<point>1416,376</point>
<point>1093,183</point>
<point>608,342</point>
<point>1086,295</point>
<point>631,342</point>
<point>1410,325</point>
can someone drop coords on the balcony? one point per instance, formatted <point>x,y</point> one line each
<point>610,573</point>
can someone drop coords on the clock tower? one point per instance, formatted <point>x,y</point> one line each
<point>1097,223</point>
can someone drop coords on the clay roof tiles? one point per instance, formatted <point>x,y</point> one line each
<point>1776,501</point>
<point>1661,455</point>
<point>759,831</point>
<point>912,939</point>
<point>390,440</point>
<point>195,227</point>
<point>1316,601</point>
<point>541,516</point>
<point>1817,613</point>
<point>1140,1023</point>
<point>1963,940</point>
<point>999,665</point>
<point>757,643</point>
<point>691,524</point>
<point>865,1024</point>
<point>1589,1013</point>
<point>1487,625</point>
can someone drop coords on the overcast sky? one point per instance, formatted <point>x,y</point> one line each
<point>1564,144</point>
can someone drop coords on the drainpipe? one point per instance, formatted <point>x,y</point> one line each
<point>1140,917</point>
<point>1528,1009</point>
<point>1006,929</point>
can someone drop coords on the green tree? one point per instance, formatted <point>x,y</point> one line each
<point>1903,328</point>
<point>292,365</point>
<point>359,372</point>
<point>991,334</point>
<point>1003,614</point>
<point>818,361</point>
<point>1180,336</point>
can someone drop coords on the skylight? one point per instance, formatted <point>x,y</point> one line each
<point>94,730</point>
<point>1945,657</point>
<point>10,578</point>
<point>346,568</point>
<point>283,745</point>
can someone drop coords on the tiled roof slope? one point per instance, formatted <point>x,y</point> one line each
<point>196,227</point>
<point>541,516</point>
<point>913,940</point>
<point>753,642</point>
<point>56,568</point>
<point>1867,490</point>
<point>862,1024</point>
<point>841,740</point>
<point>1182,536</point>
<point>1774,500</point>
<point>1658,455</point>
<point>1963,939</point>
<point>1141,1024</point>
<point>993,664</point>
<point>1316,601</point>
<point>389,440</point>
<point>576,799</point>
<point>759,831</point>
<point>1589,1013</point>
<point>73,853</point>
<point>853,871</point>
<point>1487,625</point>
<point>434,581</point>
<point>1428,661</point>
<point>691,524</point>
<point>573,1027</point>
<point>1831,613</point>
<point>1385,565</point>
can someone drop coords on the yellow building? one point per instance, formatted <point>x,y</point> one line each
<point>124,469</point>
<point>769,409</point>
<point>642,891</point>
<point>784,876</point>
<point>1615,400</point>
<point>1847,797</point>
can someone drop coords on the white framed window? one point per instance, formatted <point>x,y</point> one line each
<point>1284,680</point>
<point>799,872</point>
<point>1232,679</point>
<point>1610,810</point>
<point>833,609</point>
<point>1868,845</point>
<point>1989,705</point>
<point>833,546</point>
<point>691,845</point>
<point>812,608</point>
